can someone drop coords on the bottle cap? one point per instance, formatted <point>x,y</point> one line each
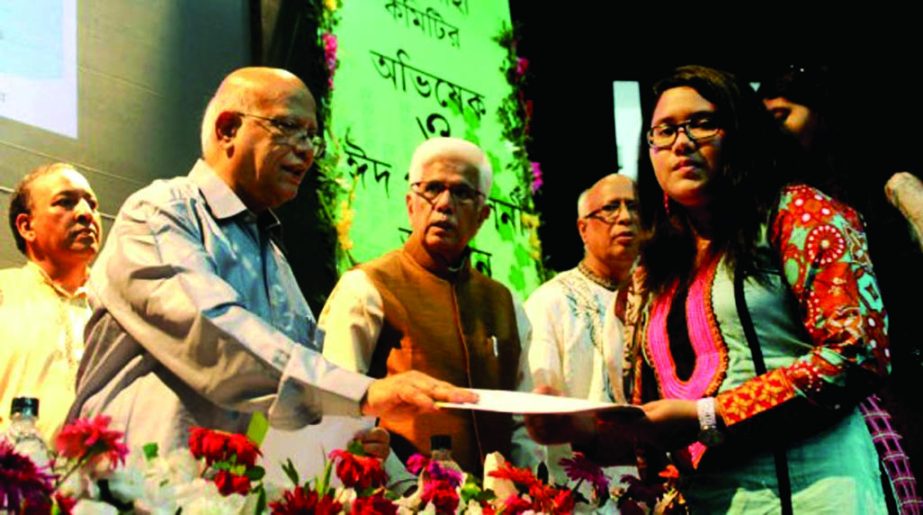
<point>440,442</point>
<point>25,405</point>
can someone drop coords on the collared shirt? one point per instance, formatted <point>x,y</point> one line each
<point>198,320</point>
<point>41,341</point>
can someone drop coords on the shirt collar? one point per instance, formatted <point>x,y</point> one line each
<point>221,199</point>
<point>42,276</point>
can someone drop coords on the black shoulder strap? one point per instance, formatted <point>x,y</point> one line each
<point>743,313</point>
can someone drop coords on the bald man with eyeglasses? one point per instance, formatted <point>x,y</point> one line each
<point>198,319</point>
<point>576,339</point>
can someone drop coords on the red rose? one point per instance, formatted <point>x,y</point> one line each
<point>358,472</point>
<point>441,493</point>
<point>376,504</point>
<point>229,483</point>
<point>348,468</point>
<point>244,448</point>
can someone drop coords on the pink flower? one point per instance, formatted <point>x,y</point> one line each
<point>21,481</point>
<point>330,56</point>
<point>522,64</point>
<point>437,471</point>
<point>579,468</point>
<point>537,181</point>
<point>92,441</point>
<point>416,463</point>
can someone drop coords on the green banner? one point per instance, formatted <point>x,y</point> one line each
<point>410,70</point>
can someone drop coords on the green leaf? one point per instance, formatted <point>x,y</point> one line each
<point>150,451</point>
<point>260,501</point>
<point>255,473</point>
<point>290,472</point>
<point>222,465</point>
<point>354,447</point>
<point>323,482</point>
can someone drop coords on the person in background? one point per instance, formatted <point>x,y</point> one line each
<point>54,218</point>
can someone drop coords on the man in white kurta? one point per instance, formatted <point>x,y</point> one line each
<point>43,306</point>
<point>576,339</point>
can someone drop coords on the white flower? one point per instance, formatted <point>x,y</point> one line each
<point>201,497</point>
<point>127,483</point>
<point>474,508</point>
<point>178,467</point>
<point>503,488</point>
<point>88,507</point>
<point>78,485</point>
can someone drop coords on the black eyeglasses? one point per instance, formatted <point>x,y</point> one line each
<point>431,190</point>
<point>696,129</point>
<point>610,212</point>
<point>293,130</point>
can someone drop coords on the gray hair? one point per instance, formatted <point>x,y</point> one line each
<point>435,149</point>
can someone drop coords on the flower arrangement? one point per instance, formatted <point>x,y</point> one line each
<point>93,472</point>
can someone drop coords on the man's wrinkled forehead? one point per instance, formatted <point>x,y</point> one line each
<point>612,190</point>
<point>452,165</point>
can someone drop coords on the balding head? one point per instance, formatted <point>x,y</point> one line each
<point>608,224</point>
<point>245,90</point>
<point>258,135</point>
<point>598,188</point>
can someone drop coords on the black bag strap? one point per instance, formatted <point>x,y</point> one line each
<point>743,313</point>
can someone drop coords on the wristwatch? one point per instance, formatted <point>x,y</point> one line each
<point>709,434</point>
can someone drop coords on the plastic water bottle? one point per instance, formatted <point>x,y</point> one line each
<point>23,432</point>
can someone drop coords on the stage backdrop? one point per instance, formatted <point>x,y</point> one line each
<point>410,70</point>
<point>143,72</point>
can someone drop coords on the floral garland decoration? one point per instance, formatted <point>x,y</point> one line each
<point>332,183</point>
<point>515,114</point>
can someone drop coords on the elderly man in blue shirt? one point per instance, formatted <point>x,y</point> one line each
<point>198,320</point>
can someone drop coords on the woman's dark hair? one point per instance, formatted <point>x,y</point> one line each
<point>757,160</point>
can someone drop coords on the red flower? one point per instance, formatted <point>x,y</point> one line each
<point>515,505</point>
<point>358,471</point>
<point>93,441</point>
<point>217,446</point>
<point>245,450</point>
<point>441,493</point>
<point>299,502</point>
<point>373,505</point>
<point>670,472</point>
<point>229,483</point>
<point>520,476</point>
<point>562,502</point>
<point>65,503</point>
<point>581,469</point>
<point>21,481</point>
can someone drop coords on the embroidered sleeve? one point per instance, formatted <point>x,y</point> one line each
<point>825,262</point>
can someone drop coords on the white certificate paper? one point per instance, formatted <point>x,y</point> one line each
<point>537,404</point>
